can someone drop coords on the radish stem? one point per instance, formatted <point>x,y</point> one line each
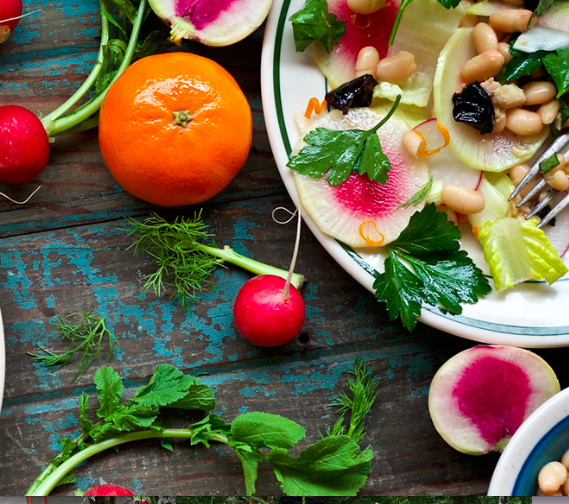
<point>286,289</point>
<point>20,17</point>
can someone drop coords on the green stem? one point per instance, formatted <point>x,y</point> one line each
<point>259,268</point>
<point>49,479</point>
<point>69,121</point>
<point>389,114</point>
<point>48,120</point>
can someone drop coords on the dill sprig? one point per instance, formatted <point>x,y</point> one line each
<point>85,336</point>
<point>183,261</point>
<point>362,385</point>
<point>419,196</point>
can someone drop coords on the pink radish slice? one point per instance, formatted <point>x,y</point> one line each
<point>10,13</point>
<point>558,235</point>
<point>340,210</point>
<point>444,166</point>
<point>480,397</point>
<point>361,31</point>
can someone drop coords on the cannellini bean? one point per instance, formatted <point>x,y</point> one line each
<point>558,180</point>
<point>516,3</point>
<point>484,38</point>
<point>523,122</point>
<point>499,123</point>
<point>482,67</point>
<point>512,20</point>
<point>396,68</point>
<point>548,111</point>
<point>551,477</point>
<point>461,199</point>
<point>518,172</point>
<point>504,50</point>
<point>411,142</point>
<point>538,92</point>
<point>366,6</point>
<point>565,459</point>
<point>367,61</point>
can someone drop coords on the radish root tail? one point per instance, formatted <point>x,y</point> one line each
<point>21,202</point>
<point>286,288</point>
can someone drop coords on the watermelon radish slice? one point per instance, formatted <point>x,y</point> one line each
<point>493,152</point>
<point>558,235</point>
<point>444,166</point>
<point>479,398</point>
<point>339,211</point>
<point>211,22</point>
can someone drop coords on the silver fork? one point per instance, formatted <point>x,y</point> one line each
<point>559,145</point>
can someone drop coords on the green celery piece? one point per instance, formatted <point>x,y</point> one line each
<point>315,22</point>
<point>166,386</point>
<point>496,188</point>
<point>557,65</point>
<point>517,251</point>
<point>109,390</point>
<point>265,430</point>
<point>333,466</point>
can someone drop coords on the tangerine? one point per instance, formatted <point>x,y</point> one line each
<point>175,129</point>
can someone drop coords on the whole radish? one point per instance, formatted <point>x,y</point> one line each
<point>24,145</point>
<point>109,491</point>
<point>10,14</point>
<point>269,310</point>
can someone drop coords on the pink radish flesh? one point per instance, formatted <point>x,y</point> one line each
<point>109,491</point>
<point>24,145</point>
<point>10,12</point>
<point>444,166</point>
<point>263,316</point>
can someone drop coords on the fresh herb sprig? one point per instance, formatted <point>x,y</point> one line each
<point>183,261</point>
<point>86,334</point>
<point>315,22</point>
<point>339,153</point>
<point>425,265</point>
<point>419,196</point>
<point>335,465</point>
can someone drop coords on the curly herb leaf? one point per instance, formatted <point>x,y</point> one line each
<point>557,65</point>
<point>314,22</point>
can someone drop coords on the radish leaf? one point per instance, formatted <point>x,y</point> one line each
<point>263,430</point>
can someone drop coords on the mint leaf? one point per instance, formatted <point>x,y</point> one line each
<point>557,65</point>
<point>264,430</point>
<point>198,397</point>
<point>548,164</point>
<point>109,390</point>
<point>314,22</point>
<point>166,386</point>
<point>333,466</point>
<point>250,462</point>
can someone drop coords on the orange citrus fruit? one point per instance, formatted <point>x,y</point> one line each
<point>175,129</point>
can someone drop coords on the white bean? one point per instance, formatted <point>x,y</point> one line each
<point>396,68</point>
<point>523,122</point>
<point>461,199</point>
<point>367,61</point>
<point>366,6</point>
<point>484,38</point>
<point>538,92</point>
<point>482,67</point>
<point>551,477</point>
<point>512,20</point>
<point>565,459</point>
<point>548,111</point>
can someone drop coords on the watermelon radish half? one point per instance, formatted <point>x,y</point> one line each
<point>339,211</point>
<point>479,398</point>
<point>211,22</point>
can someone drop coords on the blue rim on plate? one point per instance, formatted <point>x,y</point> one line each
<point>278,61</point>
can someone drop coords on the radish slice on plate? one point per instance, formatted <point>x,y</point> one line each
<point>558,235</point>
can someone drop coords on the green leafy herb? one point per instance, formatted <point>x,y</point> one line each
<point>334,465</point>
<point>404,4</point>
<point>542,6</point>
<point>523,63</point>
<point>557,66</point>
<point>419,196</point>
<point>314,22</point>
<point>425,265</point>
<point>85,337</point>
<point>183,261</point>
<point>548,164</point>
<point>561,119</point>
<point>338,154</point>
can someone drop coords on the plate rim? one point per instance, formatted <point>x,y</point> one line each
<point>458,325</point>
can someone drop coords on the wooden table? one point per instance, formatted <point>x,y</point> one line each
<point>64,252</point>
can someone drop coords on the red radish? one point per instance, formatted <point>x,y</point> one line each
<point>24,145</point>
<point>479,397</point>
<point>109,491</point>
<point>10,14</point>
<point>269,310</point>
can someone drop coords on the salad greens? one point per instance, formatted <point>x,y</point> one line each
<point>425,265</point>
<point>335,465</point>
<point>337,154</point>
<point>315,22</point>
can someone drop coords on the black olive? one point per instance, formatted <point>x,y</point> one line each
<point>474,106</point>
<point>355,93</point>
<point>531,4</point>
<point>543,212</point>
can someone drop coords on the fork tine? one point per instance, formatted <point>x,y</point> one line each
<point>554,211</point>
<point>539,185</point>
<point>542,204</point>
<point>529,176</point>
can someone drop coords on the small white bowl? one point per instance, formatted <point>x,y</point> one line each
<point>542,438</point>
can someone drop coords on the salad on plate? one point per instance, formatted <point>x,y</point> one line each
<point>430,116</point>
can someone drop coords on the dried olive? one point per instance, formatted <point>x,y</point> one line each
<point>355,93</point>
<point>474,107</point>
<point>531,4</point>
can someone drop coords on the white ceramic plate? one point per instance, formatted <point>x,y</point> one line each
<point>532,315</point>
<point>2,360</point>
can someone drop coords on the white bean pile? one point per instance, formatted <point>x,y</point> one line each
<point>552,479</point>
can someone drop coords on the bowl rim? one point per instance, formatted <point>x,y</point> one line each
<point>526,440</point>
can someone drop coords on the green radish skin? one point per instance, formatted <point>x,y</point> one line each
<point>339,210</point>
<point>480,397</point>
<point>494,152</point>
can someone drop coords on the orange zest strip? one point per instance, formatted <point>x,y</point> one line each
<point>361,21</point>
<point>423,152</point>
<point>315,106</point>
<point>369,241</point>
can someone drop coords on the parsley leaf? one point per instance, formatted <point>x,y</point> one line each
<point>523,63</point>
<point>338,154</point>
<point>549,163</point>
<point>557,65</point>
<point>561,118</point>
<point>542,6</point>
<point>314,22</point>
<point>425,265</point>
